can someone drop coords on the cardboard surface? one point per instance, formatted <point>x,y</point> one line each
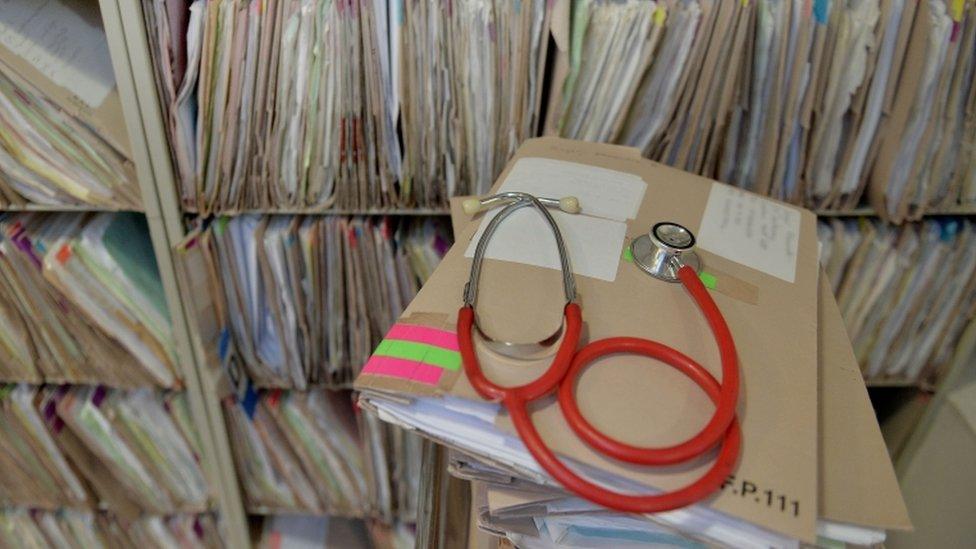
<point>776,338</point>
<point>858,483</point>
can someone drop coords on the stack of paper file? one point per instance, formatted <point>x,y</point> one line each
<point>299,452</point>
<point>307,298</point>
<point>81,301</point>
<point>316,103</point>
<point>806,101</point>
<point>81,529</point>
<point>62,136</point>
<point>135,450</point>
<point>471,85</point>
<point>36,473</point>
<point>813,462</point>
<point>278,103</point>
<point>906,293</point>
<point>394,456</point>
<point>298,104</point>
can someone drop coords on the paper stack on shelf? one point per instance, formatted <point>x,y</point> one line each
<point>85,447</point>
<point>62,135</point>
<point>134,448</point>
<point>906,293</point>
<point>36,473</point>
<point>471,85</point>
<point>810,102</point>
<point>306,298</point>
<point>919,162</point>
<point>802,406</point>
<point>299,452</point>
<point>81,301</point>
<point>275,104</point>
<point>70,528</point>
<point>394,457</point>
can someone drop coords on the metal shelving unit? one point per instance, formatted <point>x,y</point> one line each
<point>131,59</point>
<point>221,500</point>
<point>205,377</point>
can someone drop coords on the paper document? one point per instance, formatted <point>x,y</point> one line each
<point>751,230</point>
<point>61,44</point>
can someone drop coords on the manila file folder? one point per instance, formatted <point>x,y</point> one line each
<point>857,483</point>
<point>761,258</point>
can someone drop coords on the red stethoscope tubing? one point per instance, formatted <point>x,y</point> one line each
<point>722,429</point>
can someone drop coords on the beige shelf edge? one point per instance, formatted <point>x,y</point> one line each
<point>128,44</point>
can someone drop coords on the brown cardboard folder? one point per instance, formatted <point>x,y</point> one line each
<point>857,482</point>
<point>774,323</point>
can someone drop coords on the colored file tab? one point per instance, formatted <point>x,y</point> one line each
<point>416,353</point>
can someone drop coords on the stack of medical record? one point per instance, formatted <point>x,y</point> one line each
<point>298,104</point>
<point>306,298</point>
<point>301,452</point>
<point>62,136</point>
<point>72,528</point>
<point>80,447</point>
<point>293,306</point>
<point>813,467</point>
<point>81,301</point>
<point>92,417</point>
<point>812,102</point>
<point>372,105</point>
<point>907,293</point>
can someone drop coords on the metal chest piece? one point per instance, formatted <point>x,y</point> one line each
<point>665,249</point>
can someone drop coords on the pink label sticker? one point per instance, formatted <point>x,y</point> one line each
<point>403,369</point>
<point>423,334</point>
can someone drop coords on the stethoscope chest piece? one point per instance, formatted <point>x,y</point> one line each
<point>664,249</point>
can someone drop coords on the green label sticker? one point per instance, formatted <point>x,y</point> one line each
<point>419,352</point>
<point>628,256</point>
<point>708,279</point>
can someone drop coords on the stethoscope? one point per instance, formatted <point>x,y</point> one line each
<point>666,253</point>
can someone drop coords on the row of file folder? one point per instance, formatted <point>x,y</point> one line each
<point>395,456</point>
<point>299,452</point>
<point>83,447</point>
<point>279,104</point>
<point>81,301</point>
<point>814,102</point>
<point>307,298</point>
<point>73,529</point>
<point>62,135</point>
<point>907,293</point>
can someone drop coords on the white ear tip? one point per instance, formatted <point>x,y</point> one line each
<point>471,206</point>
<point>569,204</point>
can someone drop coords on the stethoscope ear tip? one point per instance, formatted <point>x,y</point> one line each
<point>569,204</point>
<point>472,206</point>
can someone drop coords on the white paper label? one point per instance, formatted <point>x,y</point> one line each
<point>594,238</point>
<point>602,192</point>
<point>751,230</point>
<point>61,44</point>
